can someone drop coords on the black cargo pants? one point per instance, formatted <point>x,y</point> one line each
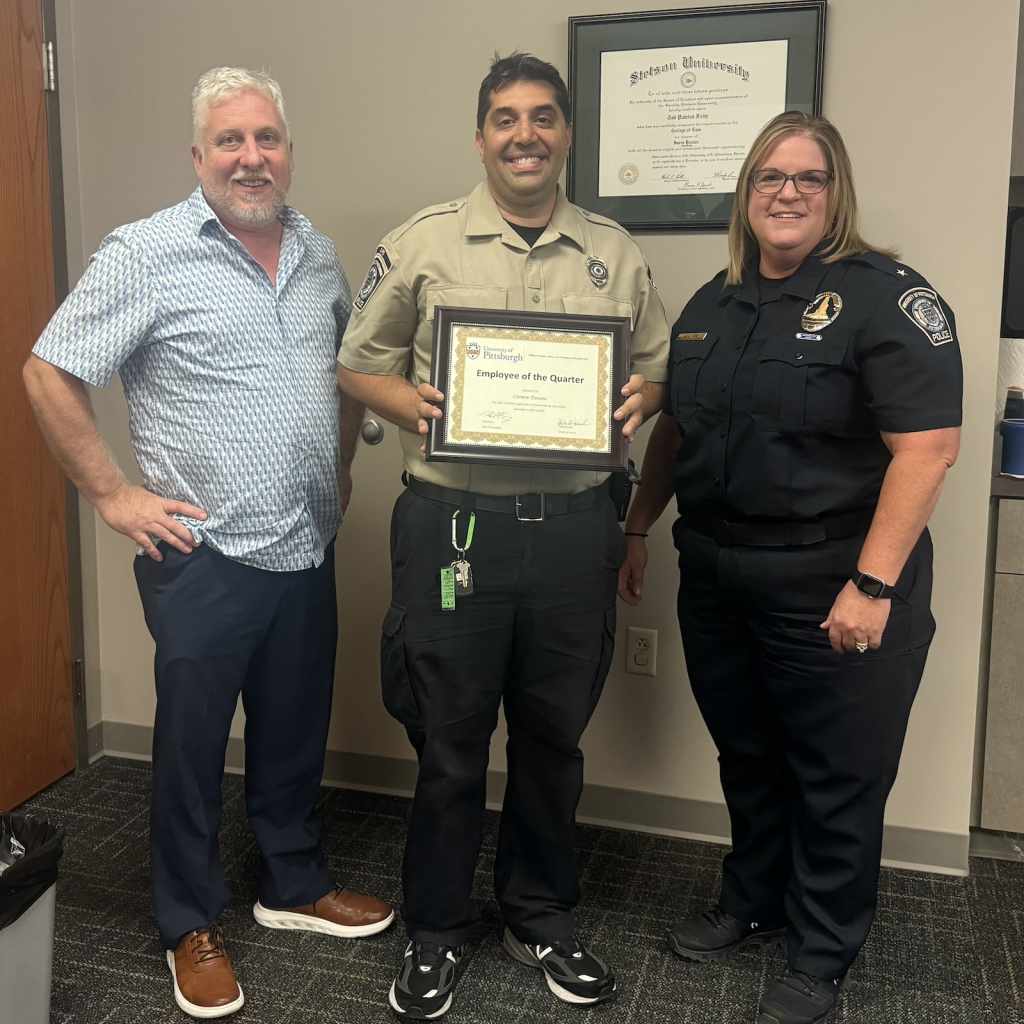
<point>536,635</point>
<point>809,740</point>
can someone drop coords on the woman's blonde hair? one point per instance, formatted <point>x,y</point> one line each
<point>843,234</point>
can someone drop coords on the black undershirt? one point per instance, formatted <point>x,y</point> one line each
<point>769,288</point>
<point>528,235</point>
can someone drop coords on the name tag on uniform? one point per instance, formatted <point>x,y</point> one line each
<point>808,337</point>
<point>691,337</point>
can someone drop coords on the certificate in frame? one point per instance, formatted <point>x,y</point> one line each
<point>529,389</point>
<point>709,79</point>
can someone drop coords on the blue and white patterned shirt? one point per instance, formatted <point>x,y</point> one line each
<point>230,381</point>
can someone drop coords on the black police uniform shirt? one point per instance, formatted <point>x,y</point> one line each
<point>780,388</point>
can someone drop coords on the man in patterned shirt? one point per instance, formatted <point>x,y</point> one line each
<point>223,315</point>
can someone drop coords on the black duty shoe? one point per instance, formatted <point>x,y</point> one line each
<point>798,998</point>
<point>573,972</point>
<point>423,987</point>
<point>715,935</point>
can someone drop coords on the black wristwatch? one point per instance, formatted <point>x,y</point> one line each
<point>872,586</point>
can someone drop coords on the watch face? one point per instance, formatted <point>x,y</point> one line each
<point>870,585</point>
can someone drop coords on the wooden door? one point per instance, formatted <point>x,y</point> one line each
<point>37,732</point>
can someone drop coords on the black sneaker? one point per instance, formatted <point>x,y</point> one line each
<point>715,935</point>
<point>573,972</point>
<point>423,987</point>
<point>798,998</point>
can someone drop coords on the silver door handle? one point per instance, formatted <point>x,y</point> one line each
<point>372,432</point>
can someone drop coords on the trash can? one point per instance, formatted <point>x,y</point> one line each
<point>1012,461</point>
<point>30,850</point>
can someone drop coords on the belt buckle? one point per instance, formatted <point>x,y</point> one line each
<point>530,519</point>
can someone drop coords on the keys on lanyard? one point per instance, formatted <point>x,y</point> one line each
<point>457,578</point>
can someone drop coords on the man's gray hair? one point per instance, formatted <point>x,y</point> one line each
<point>223,83</point>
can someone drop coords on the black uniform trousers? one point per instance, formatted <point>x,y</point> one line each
<point>537,634</point>
<point>223,628</point>
<point>809,740</point>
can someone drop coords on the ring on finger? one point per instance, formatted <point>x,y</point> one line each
<point>861,645</point>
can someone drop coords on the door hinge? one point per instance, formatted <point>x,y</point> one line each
<point>78,680</point>
<point>49,69</point>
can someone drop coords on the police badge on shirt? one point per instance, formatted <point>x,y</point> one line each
<point>922,306</point>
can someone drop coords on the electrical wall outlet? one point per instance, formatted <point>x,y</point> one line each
<point>642,651</point>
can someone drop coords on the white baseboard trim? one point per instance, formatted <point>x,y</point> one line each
<point>912,849</point>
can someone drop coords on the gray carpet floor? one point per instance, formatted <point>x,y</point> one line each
<point>943,950</point>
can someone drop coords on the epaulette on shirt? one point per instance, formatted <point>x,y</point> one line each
<point>887,265</point>
<point>430,211</point>
<point>604,222</point>
<point>384,257</point>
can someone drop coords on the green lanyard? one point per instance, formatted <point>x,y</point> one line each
<point>469,535</point>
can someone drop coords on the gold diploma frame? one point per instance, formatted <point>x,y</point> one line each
<point>529,389</point>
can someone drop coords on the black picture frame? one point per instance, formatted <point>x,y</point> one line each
<point>802,22</point>
<point>447,319</point>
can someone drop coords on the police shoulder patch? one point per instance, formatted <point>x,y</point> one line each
<point>923,308</point>
<point>379,269</point>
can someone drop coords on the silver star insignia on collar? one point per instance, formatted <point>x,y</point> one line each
<point>902,273</point>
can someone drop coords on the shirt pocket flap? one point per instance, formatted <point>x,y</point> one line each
<point>687,361</point>
<point>589,304</point>
<point>695,349</point>
<point>464,296</point>
<point>787,348</point>
<point>393,621</point>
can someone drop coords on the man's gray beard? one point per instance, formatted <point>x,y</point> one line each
<point>251,215</point>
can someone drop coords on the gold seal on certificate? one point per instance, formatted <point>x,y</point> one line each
<point>529,388</point>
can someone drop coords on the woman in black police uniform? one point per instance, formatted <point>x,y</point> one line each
<point>813,410</point>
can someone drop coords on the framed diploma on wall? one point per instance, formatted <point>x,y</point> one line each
<point>529,389</point>
<point>667,103</point>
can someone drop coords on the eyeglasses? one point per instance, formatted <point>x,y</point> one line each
<point>771,181</point>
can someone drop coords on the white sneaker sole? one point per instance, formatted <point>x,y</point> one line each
<point>306,923</point>
<point>430,1016</point>
<point>518,951</point>
<point>205,1012</point>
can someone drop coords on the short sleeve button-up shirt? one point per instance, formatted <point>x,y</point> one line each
<point>230,380</point>
<point>463,253</point>
<point>781,389</point>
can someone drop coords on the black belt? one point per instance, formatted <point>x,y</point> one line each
<point>781,535</point>
<point>529,508</point>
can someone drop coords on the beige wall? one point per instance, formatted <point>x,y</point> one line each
<point>381,99</point>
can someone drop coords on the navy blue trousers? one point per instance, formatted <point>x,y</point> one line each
<point>809,741</point>
<point>223,628</point>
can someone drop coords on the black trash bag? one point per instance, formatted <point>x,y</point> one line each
<point>30,850</point>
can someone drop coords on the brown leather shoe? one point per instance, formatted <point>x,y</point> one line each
<point>340,912</point>
<point>204,983</point>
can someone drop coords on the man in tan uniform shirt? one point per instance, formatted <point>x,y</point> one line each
<point>537,632</point>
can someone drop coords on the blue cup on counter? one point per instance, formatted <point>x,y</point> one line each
<point>1012,463</point>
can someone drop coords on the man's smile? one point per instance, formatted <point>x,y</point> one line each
<point>527,162</point>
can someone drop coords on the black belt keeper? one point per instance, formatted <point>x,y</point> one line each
<point>781,535</point>
<point>525,507</point>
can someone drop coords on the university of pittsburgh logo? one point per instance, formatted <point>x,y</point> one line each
<point>473,349</point>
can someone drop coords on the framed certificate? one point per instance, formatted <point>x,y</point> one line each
<point>529,389</point>
<point>667,103</point>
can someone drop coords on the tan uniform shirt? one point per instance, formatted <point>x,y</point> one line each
<point>463,253</point>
